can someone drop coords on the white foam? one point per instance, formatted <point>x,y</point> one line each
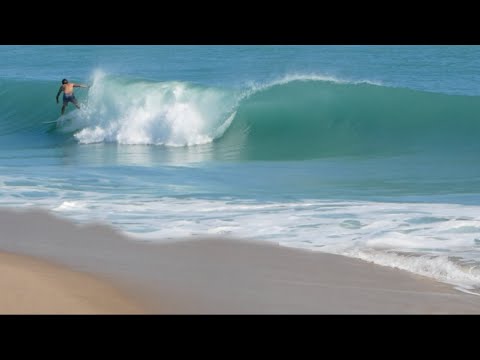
<point>442,268</point>
<point>69,206</point>
<point>436,240</point>
<point>162,113</point>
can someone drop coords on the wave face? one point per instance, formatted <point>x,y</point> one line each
<point>304,119</point>
<point>300,117</point>
<point>25,105</point>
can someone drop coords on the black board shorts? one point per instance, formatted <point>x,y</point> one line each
<point>69,97</point>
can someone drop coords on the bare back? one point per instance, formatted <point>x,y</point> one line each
<point>68,96</point>
<point>68,88</point>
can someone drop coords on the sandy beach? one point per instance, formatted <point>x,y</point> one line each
<point>31,286</point>
<point>59,267</point>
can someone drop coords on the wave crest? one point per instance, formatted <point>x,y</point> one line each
<point>298,116</point>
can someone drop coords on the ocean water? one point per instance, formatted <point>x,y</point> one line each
<point>366,151</point>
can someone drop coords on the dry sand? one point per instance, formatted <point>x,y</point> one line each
<point>205,276</point>
<point>31,286</point>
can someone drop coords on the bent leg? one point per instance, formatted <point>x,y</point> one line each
<point>75,102</point>
<point>63,107</point>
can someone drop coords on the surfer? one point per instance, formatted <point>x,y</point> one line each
<point>68,95</point>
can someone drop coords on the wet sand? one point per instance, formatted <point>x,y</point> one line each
<point>217,275</point>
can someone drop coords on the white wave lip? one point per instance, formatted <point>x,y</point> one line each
<point>157,113</point>
<point>291,77</point>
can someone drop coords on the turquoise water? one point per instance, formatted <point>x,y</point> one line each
<point>365,151</point>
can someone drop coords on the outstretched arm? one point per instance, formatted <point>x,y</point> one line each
<point>80,85</point>
<point>59,92</point>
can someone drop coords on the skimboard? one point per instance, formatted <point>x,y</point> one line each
<point>60,120</point>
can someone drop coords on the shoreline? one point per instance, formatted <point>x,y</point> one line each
<point>217,275</point>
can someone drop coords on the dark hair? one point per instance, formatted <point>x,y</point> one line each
<point>64,81</point>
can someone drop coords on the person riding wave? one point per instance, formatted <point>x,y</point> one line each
<point>68,95</point>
